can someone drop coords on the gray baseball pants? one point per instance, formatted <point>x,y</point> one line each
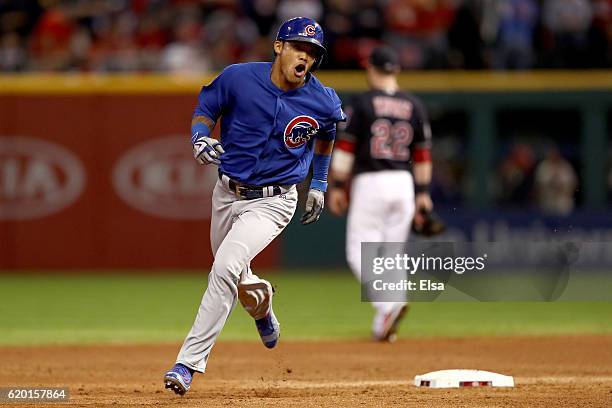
<point>239,230</point>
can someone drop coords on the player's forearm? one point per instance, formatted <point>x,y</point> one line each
<point>422,178</point>
<point>422,170</point>
<point>320,163</point>
<point>422,173</point>
<point>343,159</point>
<point>341,167</point>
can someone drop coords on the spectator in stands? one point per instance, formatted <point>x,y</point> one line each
<point>19,17</point>
<point>12,54</point>
<point>449,161</point>
<point>517,20</point>
<point>417,28</point>
<point>50,42</point>
<point>150,38</point>
<point>141,35</point>
<point>556,182</point>
<point>228,36</point>
<point>568,22</point>
<point>353,29</point>
<point>369,20</point>
<point>516,175</point>
<point>186,54</point>
<point>80,46</point>
<point>263,14</point>
<point>339,25</point>
<point>600,35</point>
<point>122,53</point>
<point>464,37</point>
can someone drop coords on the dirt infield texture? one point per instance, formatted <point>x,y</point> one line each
<point>548,371</point>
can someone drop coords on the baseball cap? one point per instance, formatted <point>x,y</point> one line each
<point>385,59</point>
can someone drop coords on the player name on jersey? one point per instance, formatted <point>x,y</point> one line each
<point>392,107</point>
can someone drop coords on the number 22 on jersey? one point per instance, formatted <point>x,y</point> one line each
<point>391,141</point>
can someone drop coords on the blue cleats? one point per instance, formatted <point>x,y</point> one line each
<point>178,379</point>
<point>269,330</point>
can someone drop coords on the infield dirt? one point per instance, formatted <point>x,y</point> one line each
<point>548,371</point>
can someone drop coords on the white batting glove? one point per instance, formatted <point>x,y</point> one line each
<point>207,150</point>
<point>314,206</point>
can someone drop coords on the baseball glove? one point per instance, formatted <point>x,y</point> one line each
<point>431,225</point>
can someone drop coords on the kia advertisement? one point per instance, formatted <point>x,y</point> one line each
<point>162,179</point>
<point>37,178</point>
<point>103,181</point>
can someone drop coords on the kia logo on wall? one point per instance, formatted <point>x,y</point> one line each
<point>37,178</point>
<point>161,178</point>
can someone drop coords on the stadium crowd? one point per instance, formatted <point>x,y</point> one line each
<point>199,35</point>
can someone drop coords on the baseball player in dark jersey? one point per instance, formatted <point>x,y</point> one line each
<point>276,120</point>
<point>385,149</point>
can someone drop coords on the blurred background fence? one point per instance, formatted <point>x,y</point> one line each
<point>96,170</point>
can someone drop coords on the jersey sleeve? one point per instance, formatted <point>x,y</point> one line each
<point>421,127</point>
<point>337,115</point>
<point>350,132</point>
<point>214,98</point>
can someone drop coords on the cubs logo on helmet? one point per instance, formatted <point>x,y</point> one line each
<point>310,30</point>
<point>300,130</point>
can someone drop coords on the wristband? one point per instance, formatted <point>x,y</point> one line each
<point>318,185</point>
<point>339,183</point>
<point>421,188</point>
<point>198,130</point>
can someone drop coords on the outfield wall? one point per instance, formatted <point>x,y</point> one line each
<point>102,181</point>
<point>96,171</point>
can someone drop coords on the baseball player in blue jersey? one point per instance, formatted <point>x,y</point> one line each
<point>276,120</point>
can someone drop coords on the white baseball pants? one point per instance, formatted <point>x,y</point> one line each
<point>239,230</point>
<point>381,210</point>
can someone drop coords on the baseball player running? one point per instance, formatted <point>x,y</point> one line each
<point>276,119</point>
<point>387,135</point>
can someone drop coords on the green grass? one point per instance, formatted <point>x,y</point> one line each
<point>132,308</point>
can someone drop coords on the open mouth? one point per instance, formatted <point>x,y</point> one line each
<point>300,70</point>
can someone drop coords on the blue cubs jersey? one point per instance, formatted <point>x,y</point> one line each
<point>267,133</point>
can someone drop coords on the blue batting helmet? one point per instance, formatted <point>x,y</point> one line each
<point>306,30</point>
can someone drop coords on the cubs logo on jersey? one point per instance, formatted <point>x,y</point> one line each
<point>300,130</point>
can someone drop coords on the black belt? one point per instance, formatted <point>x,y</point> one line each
<point>247,192</point>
